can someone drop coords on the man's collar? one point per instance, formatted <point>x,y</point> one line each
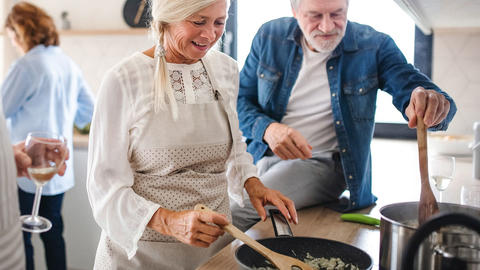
<point>349,41</point>
<point>296,35</point>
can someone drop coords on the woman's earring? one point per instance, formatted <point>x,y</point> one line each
<point>159,51</point>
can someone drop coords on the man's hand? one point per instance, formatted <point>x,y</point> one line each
<point>429,104</point>
<point>261,196</point>
<point>286,142</point>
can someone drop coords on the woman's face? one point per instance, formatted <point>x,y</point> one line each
<point>15,42</point>
<point>188,41</point>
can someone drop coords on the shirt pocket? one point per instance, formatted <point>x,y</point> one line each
<point>361,97</point>
<point>268,80</point>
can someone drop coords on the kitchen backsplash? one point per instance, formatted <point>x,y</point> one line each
<point>456,69</point>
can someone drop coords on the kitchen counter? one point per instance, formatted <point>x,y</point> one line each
<point>395,179</point>
<point>80,140</point>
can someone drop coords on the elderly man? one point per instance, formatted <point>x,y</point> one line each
<point>307,104</point>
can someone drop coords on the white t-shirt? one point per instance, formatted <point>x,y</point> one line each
<point>309,108</point>
<point>11,240</point>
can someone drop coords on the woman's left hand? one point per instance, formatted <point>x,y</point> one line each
<point>260,196</point>
<point>22,160</point>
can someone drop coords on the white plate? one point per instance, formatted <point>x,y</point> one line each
<point>452,145</point>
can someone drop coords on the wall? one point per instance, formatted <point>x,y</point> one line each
<point>456,69</point>
<point>105,38</point>
<point>86,14</point>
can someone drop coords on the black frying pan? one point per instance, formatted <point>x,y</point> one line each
<point>298,247</point>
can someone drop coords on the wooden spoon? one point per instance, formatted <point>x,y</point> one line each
<point>281,261</point>
<point>428,204</point>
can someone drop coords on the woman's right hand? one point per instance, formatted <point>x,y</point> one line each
<point>190,227</point>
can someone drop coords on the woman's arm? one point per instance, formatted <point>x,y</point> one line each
<point>118,210</point>
<point>17,87</point>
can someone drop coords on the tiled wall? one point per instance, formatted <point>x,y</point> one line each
<point>456,69</point>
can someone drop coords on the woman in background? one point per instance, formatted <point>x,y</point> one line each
<point>164,138</point>
<point>43,91</point>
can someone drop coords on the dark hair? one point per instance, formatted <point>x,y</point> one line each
<point>32,25</point>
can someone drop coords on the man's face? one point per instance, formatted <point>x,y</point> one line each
<point>323,22</point>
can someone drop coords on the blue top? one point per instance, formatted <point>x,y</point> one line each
<point>45,91</point>
<point>365,61</point>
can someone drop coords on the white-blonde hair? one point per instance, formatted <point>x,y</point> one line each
<point>165,12</point>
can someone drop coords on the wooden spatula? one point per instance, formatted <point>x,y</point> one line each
<point>281,261</point>
<point>428,204</point>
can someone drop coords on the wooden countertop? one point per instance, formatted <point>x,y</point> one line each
<point>395,179</point>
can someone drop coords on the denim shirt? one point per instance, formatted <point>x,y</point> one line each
<point>364,61</point>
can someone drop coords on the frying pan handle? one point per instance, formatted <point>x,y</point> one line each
<point>280,224</point>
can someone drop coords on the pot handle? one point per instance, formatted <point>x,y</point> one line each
<point>280,224</point>
<point>433,224</point>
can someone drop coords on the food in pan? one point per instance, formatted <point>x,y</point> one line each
<point>319,264</point>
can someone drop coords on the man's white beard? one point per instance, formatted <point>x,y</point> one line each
<point>325,46</point>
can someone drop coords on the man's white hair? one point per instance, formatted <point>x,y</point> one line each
<point>296,3</point>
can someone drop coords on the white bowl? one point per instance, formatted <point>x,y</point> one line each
<point>451,145</point>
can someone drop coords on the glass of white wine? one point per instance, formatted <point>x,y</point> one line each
<point>47,151</point>
<point>442,169</point>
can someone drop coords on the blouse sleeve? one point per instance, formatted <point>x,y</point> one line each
<point>85,103</point>
<point>240,165</point>
<point>17,87</point>
<point>118,210</point>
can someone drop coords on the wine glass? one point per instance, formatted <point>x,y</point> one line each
<point>441,169</point>
<point>47,151</point>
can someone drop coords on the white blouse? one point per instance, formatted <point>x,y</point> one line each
<point>124,101</point>
<point>11,239</point>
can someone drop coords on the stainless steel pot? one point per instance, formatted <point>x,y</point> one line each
<point>399,223</point>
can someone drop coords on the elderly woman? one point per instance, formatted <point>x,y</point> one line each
<point>43,91</point>
<point>164,138</point>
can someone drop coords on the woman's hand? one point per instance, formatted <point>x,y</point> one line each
<point>22,160</point>
<point>261,196</point>
<point>190,227</point>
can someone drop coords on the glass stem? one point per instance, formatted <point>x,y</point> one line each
<point>440,196</point>
<point>36,201</point>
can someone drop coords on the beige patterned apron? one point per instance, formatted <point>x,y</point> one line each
<point>177,164</point>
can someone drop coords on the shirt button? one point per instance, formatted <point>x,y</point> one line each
<point>353,203</point>
<point>330,67</point>
<point>350,177</point>
<point>360,90</point>
<point>338,122</point>
<point>334,94</point>
<point>262,75</point>
<point>344,150</point>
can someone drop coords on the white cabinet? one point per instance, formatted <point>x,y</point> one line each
<point>81,232</point>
